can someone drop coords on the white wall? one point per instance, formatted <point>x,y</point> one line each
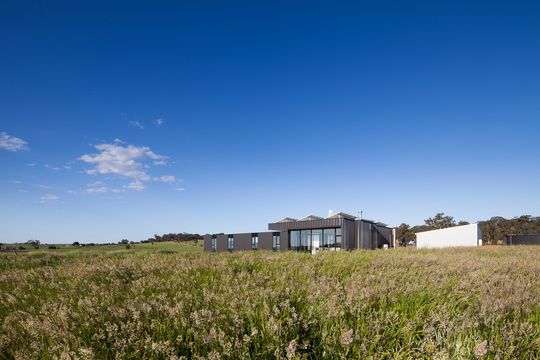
<point>465,235</point>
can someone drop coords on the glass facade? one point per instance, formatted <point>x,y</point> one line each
<point>329,238</point>
<point>304,240</point>
<point>276,241</point>
<point>214,240</point>
<point>294,240</point>
<point>230,242</point>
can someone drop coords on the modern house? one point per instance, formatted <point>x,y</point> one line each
<point>464,235</point>
<point>312,233</point>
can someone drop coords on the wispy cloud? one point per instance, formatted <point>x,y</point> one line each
<point>48,166</point>
<point>136,124</point>
<point>12,143</point>
<point>42,186</point>
<point>179,189</point>
<point>127,161</point>
<point>136,185</point>
<point>31,164</point>
<point>96,187</point>
<point>166,178</point>
<point>48,197</point>
<point>159,121</point>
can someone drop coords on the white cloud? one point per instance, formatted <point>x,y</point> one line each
<point>96,187</point>
<point>31,164</point>
<point>11,143</point>
<point>51,167</point>
<point>136,124</point>
<point>136,185</point>
<point>41,186</point>
<point>159,122</point>
<point>16,181</point>
<point>72,192</point>
<point>67,167</point>
<point>48,197</point>
<point>179,189</point>
<point>117,190</point>
<point>128,161</point>
<point>166,178</point>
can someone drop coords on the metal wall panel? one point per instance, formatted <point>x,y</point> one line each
<point>265,241</point>
<point>207,242</point>
<point>523,239</point>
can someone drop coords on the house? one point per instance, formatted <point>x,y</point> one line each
<point>312,233</point>
<point>464,235</point>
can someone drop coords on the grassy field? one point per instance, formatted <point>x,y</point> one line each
<point>170,301</point>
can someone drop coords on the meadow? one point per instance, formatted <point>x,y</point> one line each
<point>172,301</point>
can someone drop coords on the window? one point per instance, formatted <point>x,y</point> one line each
<point>214,243</point>
<point>230,243</point>
<point>254,241</point>
<point>338,237</point>
<point>276,241</point>
<point>316,238</point>
<point>294,240</point>
<point>329,238</point>
<point>305,240</point>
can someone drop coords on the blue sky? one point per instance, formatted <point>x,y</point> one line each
<point>125,119</point>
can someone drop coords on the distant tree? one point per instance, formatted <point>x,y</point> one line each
<point>440,221</point>
<point>76,243</point>
<point>463,222</point>
<point>404,234</point>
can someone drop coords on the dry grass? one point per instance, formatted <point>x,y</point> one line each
<point>445,304</point>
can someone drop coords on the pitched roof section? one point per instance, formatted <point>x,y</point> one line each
<point>342,215</point>
<point>286,220</point>
<point>310,218</point>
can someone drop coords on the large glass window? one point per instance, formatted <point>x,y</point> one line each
<point>254,241</point>
<point>214,245</point>
<point>230,242</point>
<point>276,241</point>
<point>305,240</point>
<point>294,240</point>
<point>338,237</point>
<point>329,238</point>
<point>316,238</point>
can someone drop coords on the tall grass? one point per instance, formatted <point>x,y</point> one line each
<point>445,304</point>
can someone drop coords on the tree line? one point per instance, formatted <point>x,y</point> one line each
<point>178,237</point>
<point>494,230</point>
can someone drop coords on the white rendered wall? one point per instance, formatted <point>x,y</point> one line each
<point>465,235</point>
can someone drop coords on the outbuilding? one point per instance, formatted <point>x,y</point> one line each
<point>463,235</point>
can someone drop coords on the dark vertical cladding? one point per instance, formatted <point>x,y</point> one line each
<point>348,231</point>
<point>523,239</point>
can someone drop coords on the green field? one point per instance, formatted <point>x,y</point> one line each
<point>171,301</point>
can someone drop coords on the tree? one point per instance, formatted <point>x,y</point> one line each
<point>76,243</point>
<point>440,221</point>
<point>404,234</point>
